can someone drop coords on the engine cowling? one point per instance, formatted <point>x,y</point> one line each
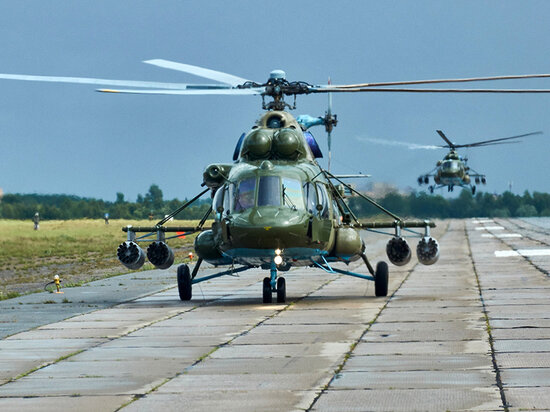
<point>398,251</point>
<point>427,251</point>
<point>160,255</point>
<point>287,144</point>
<point>257,144</point>
<point>131,255</point>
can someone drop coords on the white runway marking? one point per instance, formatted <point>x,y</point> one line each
<point>483,221</point>
<point>522,252</point>
<point>490,228</point>
<point>501,235</point>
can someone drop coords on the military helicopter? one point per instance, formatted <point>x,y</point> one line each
<point>453,169</point>
<point>275,207</point>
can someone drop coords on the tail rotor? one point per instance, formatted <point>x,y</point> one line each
<point>330,122</point>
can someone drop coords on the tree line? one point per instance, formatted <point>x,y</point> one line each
<point>64,207</point>
<point>423,205</point>
<point>417,204</point>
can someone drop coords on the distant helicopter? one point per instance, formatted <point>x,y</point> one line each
<point>275,207</point>
<point>453,169</point>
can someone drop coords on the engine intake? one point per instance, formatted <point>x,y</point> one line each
<point>131,255</point>
<point>398,251</point>
<point>160,255</point>
<point>427,251</point>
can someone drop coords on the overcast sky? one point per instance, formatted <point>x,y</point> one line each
<point>63,138</point>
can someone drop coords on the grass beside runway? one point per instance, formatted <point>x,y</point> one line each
<point>77,250</point>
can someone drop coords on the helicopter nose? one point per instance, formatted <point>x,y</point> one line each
<point>270,229</point>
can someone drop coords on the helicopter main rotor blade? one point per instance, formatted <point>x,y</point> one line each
<point>198,71</point>
<point>434,81</point>
<point>451,144</point>
<point>234,92</point>
<point>493,144</point>
<point>104,82</point>
<point>493,141</point>
<point>412,146</point>
<point>322,89</point>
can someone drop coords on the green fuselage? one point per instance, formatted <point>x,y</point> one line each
<point>275,197</point>
<point>452,171</point>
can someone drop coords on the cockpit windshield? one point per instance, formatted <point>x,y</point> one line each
<point>270,191</point>
<point>244,195</point>
<point>450,166</point>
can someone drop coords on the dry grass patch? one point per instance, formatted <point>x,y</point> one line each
<point>77,250</point>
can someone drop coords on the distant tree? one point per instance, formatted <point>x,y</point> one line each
<point>463,205</point>
<point>526,211</point>
<point>119,198</point>
<point>153,198</point>
<point>511,202</point>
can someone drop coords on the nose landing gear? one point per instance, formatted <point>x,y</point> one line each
<point>274,285</point>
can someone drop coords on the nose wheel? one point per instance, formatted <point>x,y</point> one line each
<point>281,290</point>
<point>268,290</point>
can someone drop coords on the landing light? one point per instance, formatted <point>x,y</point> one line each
<point>278,260</point>
<point>278,252</point>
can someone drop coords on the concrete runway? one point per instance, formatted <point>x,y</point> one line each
<point>471,332</point>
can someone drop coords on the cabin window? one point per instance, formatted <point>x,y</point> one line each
<point>269,191</point>
<point>244,196</point>
<point>311,197</point>
<point>292,193</point>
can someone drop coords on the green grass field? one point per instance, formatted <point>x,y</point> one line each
<point>77,250</point>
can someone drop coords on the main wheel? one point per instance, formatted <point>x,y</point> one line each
<point>381,279</point>
<point>281,290</point>
<point>184,282</point>
<point>267,294</point>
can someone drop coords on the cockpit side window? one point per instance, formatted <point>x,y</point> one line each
<point>218,200</point>
<point>336,212</point>
<point>323,200</point>
<point>292,194</point>
<point>269,191</point>
<point>228,193</point>
<point>244,195</point>
<point>311,197</point>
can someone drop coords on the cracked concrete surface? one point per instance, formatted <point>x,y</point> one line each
<point>469,333</point>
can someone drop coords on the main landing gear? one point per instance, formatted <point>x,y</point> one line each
<point>274,285</point>
<point>381,279</point>
<point>381,276</point>
<point>184,282</point>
